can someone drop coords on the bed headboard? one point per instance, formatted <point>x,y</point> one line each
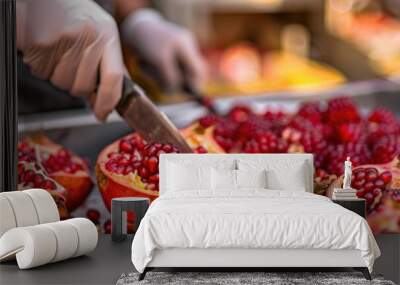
<point>210,159</point>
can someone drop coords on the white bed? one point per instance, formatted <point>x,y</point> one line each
<point>249,227</point>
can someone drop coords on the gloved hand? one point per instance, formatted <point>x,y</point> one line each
<point>164,45</point>
<point>74,44</point>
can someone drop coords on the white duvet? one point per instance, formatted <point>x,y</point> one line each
<point>250,219</point>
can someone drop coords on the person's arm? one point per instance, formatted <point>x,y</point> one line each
<point>75,44</point>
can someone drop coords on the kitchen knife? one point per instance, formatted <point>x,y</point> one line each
<point>143,116</point>
<point>199,98</point>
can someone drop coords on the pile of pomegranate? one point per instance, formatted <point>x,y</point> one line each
<point>330,130</point>
<point>47,165</point>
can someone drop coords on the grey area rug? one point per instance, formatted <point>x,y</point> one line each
<point>269,278</point>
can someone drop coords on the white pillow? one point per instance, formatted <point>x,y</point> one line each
<point>282,174</point>
<point>292,179</point>
<point>223,179</point>
<point>251,178</point>
<point>188,177</point>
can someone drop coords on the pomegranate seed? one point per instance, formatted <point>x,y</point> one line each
<point>386,176</point>
<point>208,121</point>
<point>154,178</point>
<point>167,148</point>
<point>93,215</point>
<point>369,198</point>
<point>200,149</point>
<point>38,180</point>
<point>239,113</point>
<point>143,172</point>
<point>127,170</point>
<point>123,161</point>
<point>48,185</point>
<point>369,186</point>
<point>125,146</point>
<point>152,164</point>
<point>379,183</point>
<point>28,176</point>
<point>107,227</point>
<point>371,175</point>
<point>358,184</point>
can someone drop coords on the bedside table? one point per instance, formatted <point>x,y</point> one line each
<point>119,208</point>
<point>358,205</point>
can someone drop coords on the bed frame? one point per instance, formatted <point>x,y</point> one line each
<point>240,259</point>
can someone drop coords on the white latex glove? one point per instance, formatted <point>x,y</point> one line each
<point>163,45</point>
<point>71,42</point>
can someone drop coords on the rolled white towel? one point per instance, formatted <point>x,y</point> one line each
<point>40,244</point>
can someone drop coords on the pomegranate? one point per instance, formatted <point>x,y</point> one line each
<point>129,167</point>
<point>331,132</point>
<point>31,175</point>
<point>60,164</point>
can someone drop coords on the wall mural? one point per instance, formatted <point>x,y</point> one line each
<point>332,131</point>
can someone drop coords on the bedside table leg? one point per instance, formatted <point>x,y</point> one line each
<point>142,275</point>
<point>364,271</point>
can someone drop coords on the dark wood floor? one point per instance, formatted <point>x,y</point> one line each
<point>103,266</point>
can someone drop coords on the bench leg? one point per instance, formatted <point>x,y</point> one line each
<point>364,271</point>
<point>142,275</point>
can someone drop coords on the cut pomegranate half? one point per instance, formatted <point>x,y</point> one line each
<point>60,164</point>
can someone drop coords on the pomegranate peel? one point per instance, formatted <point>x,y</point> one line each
<point>60,164</point>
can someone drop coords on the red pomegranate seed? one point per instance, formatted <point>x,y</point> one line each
<point>167,148</point>
<point>152,164</point>
<point>128,170</point>
<point>107,227</point>
<point>154,178</point>
<point>386,176</point>
<point>369,186</point>
<point>93,215</point>
<point>48,185</point>
<point>123,161</point>
<point>28,176</point>
<point>379,183</point>
<point>38,180</point>
<point>200,149</point>
<point>371,175</point>
<point>369,198</point>
<point>143,172</point>
<point>125,146</point>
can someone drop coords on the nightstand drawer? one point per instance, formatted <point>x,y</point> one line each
<point>357,205</point>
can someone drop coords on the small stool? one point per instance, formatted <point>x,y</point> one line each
<point>119,206</point>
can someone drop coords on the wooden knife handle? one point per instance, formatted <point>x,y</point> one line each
<point>129,90</point>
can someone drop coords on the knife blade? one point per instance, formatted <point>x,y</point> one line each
<point>142,115</point>
<point>199,98</point>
